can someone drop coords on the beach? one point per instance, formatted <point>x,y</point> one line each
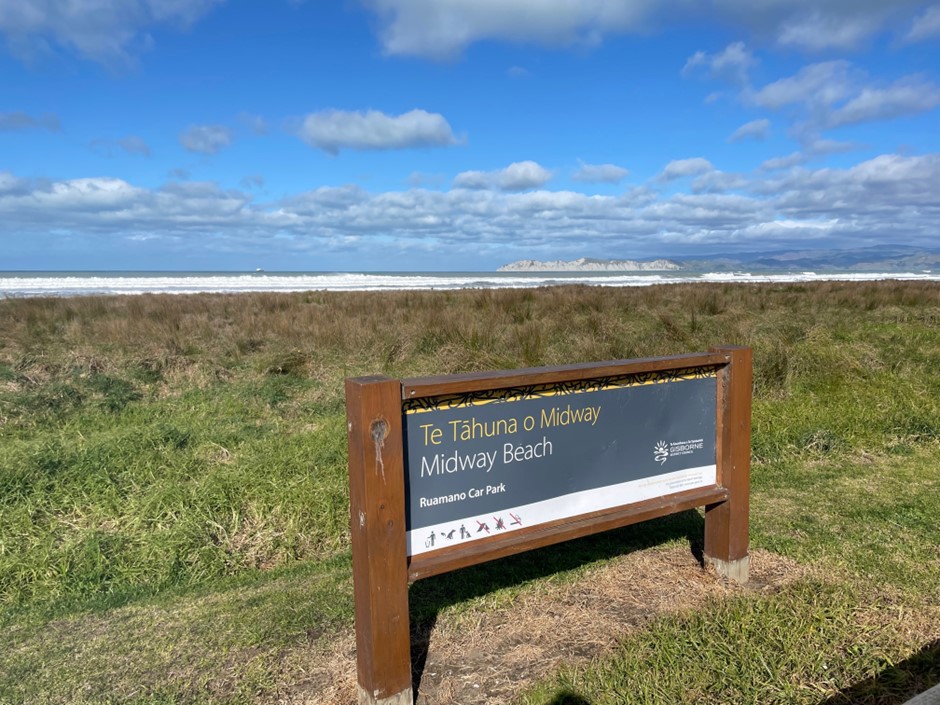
<point>19,284</point>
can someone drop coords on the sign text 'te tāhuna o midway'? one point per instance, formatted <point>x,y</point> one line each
<point>485,465</point>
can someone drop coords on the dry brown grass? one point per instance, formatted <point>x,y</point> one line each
<point>487,655</point>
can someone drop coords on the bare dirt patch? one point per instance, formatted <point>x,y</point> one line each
<point>488,655</point>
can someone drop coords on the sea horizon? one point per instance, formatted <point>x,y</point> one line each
<point>69,283</point>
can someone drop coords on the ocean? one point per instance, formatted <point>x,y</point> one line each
<point>26,284</point>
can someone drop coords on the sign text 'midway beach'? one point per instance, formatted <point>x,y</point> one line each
<point>485,466</point>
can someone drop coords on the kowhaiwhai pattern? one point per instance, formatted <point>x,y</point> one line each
<point>507,394</point>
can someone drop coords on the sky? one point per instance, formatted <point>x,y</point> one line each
<point>460,135</point>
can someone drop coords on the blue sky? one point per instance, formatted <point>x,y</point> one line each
<point>461,134</point>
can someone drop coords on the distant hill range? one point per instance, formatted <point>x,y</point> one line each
<point>882,258</point>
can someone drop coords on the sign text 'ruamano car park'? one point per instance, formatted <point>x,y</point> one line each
<point>446,472</point>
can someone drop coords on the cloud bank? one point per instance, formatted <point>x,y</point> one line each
<point>442,29</point>
<point>889,197</point>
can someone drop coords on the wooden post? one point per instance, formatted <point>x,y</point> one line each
<point>377,524</point>
<point>726,523</point>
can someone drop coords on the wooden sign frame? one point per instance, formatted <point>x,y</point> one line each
<point>381,568</point>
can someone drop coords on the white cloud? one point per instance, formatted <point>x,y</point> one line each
<point>109,32</point>
<point>791,160</point>
<point>817,31</point>
<point>733,63</point>
<point>824,146</point>
<point>813,25</point>
<point>907,96</point>
<point>888,196</point>
<point>925,26</point>
<point>333,130</point>
<point>518,72</point>
<point>22,121</point>
<point>518,176</point>
<point>908,174</point>
<point>206,139</point>
<point>755,129</point>
<point>834,93</point>
<point>523,175</point>
<point>443,28</point>
<point>777,163</point>
<point>813,149</point>
<point>679,168</point>
<point>718,182</point>
<point>817,84</point>
<point>600,173</point>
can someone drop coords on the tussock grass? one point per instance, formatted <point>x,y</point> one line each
<point>155,448</point>
<point>150,441</point>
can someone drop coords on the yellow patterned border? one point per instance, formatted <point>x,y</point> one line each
<point>493,396</point>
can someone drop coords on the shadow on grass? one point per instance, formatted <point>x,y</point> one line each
<point>896,684</point>
<point>568,697</point>
<point>429,596</point>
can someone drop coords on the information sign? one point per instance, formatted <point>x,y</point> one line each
<point>449,471</point>
<point>479,465</point>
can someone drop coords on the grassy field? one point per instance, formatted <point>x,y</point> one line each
<point>173,497</point>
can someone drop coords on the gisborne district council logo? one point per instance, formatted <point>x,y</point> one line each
<point>661,452</point>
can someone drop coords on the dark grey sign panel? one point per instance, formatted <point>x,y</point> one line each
<point>497,465</point>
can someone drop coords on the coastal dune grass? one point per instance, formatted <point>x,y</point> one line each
<point>160,454</point>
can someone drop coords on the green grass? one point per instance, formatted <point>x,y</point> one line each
<point>220,645</point>
<point>874,517</point>
<point>173,479</point>
<point>177,491</point>
<point>808,644</point>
